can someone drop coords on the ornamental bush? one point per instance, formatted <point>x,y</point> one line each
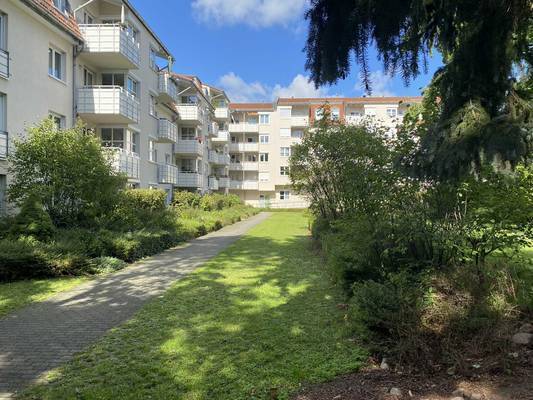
<point>32,220</point>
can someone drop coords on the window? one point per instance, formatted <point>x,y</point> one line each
<point>234,139</point>
<point>250,139</point>
<point>251,158</point>
<point>152,105</point>
<point>285,151</point>
<point>3,31</point>
<point>56,64</point>
<point>284,171</point>
<point>392,112</point>
<point>109,79</point>
<point>88,77</point>
<point>284,194</point>
<point>189,100</point>
<point>59,120</point>
<point>264,118</point>
<point>152,151</point>
<point>297,134</point>
<point>132,33</point>
<point>335,114</point>
<point>132,87</point>
<point>62,5</point>
<point>285,112</point>
<point>188,133</point>
<point>263,157</point>
<point>285,132</point>
<point>3,126</point>
<point>112,137</point>
<point>87,18</point>
<point>134,142</point>
<point>264,176</point>
<point>188,165</point>
<point>153,59</point>
<point>263,139</point>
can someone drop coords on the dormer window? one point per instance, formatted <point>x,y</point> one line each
<point>62,5</point>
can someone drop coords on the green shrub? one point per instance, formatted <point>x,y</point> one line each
<point>144,199</point>
<point>33,220</point>
<point>103,265</point>
<point>132,246</point>
<point>20,259</point>
<point>218,225</point>
<point>182,199</point>
<point>201,230</point>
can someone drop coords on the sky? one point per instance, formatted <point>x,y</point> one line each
<point>253,49</point>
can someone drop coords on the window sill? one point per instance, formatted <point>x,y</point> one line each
<point>57,79</point>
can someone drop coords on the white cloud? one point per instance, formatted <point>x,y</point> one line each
<point>380,84</point>
<point>239,90</point>
<point>255,13</point>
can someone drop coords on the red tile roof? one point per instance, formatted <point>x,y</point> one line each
<point>66,22</point>
<point>251,106</point>
<point>360,100</point>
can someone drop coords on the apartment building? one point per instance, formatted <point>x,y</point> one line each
<point>99,61</point>
<point>262,134</point>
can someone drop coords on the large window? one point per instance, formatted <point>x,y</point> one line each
<point>264,118</point>
<point>188,133</point>
<point>132,87</point>
<point>284,194</point>
<point>88,77</point>
<point>113,137</point>
<point>62,5</point>
<point>56,64</point>
<point>189,100</point>
<point>263,139</point>
<point>285,151</point>
<point>284,171</point>
<point>297,134</point>
<point>134,142</point>
<point>111,79</point>
<point>392,112</point>
<point>263,157</point>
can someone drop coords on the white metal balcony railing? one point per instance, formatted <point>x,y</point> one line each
<point>213,183</point>
<point>190,179</point>
<point>218,158</point>
<point>4,145</point>
<point>167,87</point>
<point>125,162</point>
<point>167,173</point>
<point>110,101</point>
<point>4,63</point>
<point>221,113</point>
<point>167,131</point>
<point>222,137</point>
<point>189,112</point>
<point>244,185</point>
<point>244,127</point>
<point>109,39</point>
<point>189,147</point>
<point>245,147</point>
<point>244,166</point>
<point>213,129</point>
<point>299,121</point>
<point>223,182</point>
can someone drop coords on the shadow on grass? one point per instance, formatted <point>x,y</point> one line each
<point>254,322</point>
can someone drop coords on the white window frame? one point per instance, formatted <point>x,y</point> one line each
<point>52,67</point>
<point>264,119</point>
<point>61,5</point>
<point>3,31</point>
<point>284,195</point>
<point>392,112</point>
<point>284,170</point>
<point>263,157</point>
<point>59,120</point>
<point>152,151</point>
<point>134,90</point>
<point>134,141</point>
<point>285,151</point>
<point>264,139</point>
<point>86,73</point>
<point>114,142</point>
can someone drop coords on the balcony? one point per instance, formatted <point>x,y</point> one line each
<point>4,64</point>
<point>218,158</point>
<point>213,183</point>
<point>109,46</point>
<point>244,185</point>
<point>244,147</point>
<point>168,91</point>
<point>221,113</point>
<point>190,180</point>
<point>299,121</point>
<point>244,127</point>
<point>167,132</point>
<point>221,138</point>
<point>167,173</point>
<point>189,147</point>
<point>125,162</point>
<point>4,145</point>
<point>212,129</point>
<point>190,113</point>
<point>244,166</point>
<point>223,183</point>
<point>107,105</point>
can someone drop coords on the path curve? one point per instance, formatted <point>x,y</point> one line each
<point>44,335</point>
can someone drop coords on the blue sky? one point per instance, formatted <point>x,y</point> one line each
<point>253,48</point>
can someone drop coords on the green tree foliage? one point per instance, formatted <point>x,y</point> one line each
<point>67,171</point>
<point>32,220</point>
<point>483,114</point>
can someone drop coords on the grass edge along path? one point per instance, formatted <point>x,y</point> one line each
<point>18,294</point>
<point>255,322</point>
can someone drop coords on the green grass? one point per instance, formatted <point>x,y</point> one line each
<point>259,318</point>
<point>19,294</point>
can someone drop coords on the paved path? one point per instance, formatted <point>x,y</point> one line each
<point>44,335</point>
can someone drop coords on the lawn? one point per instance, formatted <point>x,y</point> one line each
<point>255,322</point>
<point>19,294</point>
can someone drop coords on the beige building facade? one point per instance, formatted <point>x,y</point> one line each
<point>262,136</point>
